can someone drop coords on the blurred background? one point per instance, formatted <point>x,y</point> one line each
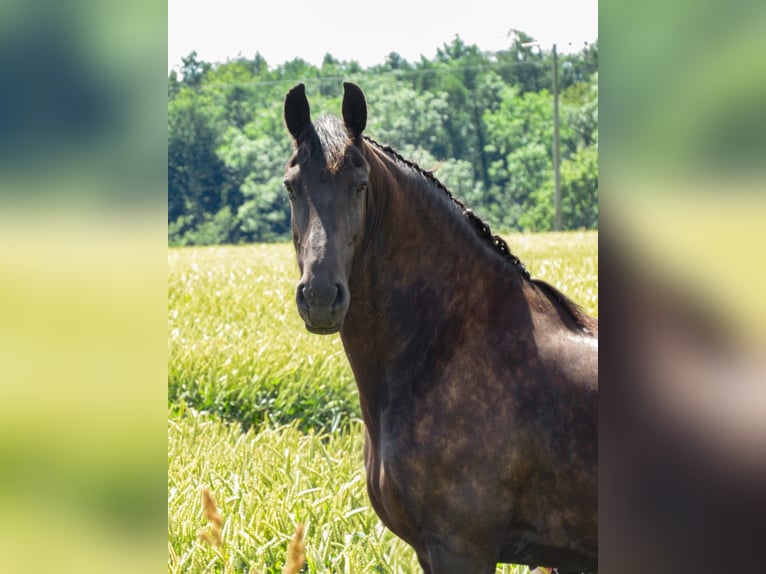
<point>682,438</point>
<point>83,271</point>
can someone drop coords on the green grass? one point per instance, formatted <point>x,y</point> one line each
<point>266,483</point>
<point>266,414</point>
<point>237,347</point>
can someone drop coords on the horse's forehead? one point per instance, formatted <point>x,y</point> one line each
<point>327,163</point>
<point>328,142</point>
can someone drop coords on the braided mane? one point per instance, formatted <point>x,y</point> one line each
<point>482,229</point>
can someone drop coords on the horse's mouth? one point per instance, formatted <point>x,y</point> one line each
<point>323,330</point>
<point>322,320</point>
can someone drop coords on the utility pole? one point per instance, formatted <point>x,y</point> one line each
<point>556,152</point>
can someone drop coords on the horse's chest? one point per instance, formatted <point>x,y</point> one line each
<point>426,471</point>
<point>394,489</point>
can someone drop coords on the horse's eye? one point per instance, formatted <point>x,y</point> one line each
<point>290,190</point>
<point>361,189</point>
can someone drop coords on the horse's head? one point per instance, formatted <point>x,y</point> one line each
<point>327,180</point>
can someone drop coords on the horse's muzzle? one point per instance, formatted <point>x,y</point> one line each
<point>322,306</point>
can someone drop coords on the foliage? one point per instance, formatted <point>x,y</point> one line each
<point>484,118</point>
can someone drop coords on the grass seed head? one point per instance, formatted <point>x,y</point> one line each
<point>295,552</point>
<point>212,536</point>
<point>210,508</point>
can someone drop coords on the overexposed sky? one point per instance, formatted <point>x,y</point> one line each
<point>367,31</point>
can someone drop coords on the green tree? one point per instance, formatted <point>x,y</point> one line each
<point>521,132</point>
<point>579,196</point>
<point>482,122</point>
<point>524,66</point>
<point>196,174</point>
<point>192,70</point>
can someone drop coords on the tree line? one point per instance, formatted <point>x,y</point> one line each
<point>482,121</point>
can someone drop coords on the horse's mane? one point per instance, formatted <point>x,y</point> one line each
<point>495,242</point>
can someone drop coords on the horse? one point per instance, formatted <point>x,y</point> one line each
<point>478,384</point>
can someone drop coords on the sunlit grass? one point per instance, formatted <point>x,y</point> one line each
<point>266,483</point>
<point>238,348</point>
<point>266,415</point>
<point>568,261</point>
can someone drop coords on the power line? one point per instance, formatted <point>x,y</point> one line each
<point>438,69</point>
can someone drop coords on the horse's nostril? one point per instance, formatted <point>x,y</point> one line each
<point>300,296</point>
<point>340,297</point>
<point>321,295</point>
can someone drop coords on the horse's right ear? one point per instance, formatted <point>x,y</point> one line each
<point>297,111</point>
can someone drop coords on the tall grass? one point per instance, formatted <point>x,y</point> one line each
<point>237,347</point>
<point>265,414</point>
<point>266,483</point>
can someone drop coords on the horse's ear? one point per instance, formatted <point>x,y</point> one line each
<point>354,109</point>
<point>297,111</point>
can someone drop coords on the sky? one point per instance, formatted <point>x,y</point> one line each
<point>367,31</point>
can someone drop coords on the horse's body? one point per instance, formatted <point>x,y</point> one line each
<point>478,386</point>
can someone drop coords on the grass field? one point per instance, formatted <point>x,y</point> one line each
<point>266,415</point>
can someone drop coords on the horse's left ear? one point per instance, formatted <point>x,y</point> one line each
<point>354,109</point>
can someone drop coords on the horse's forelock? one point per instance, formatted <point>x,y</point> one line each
<point>331,139</point>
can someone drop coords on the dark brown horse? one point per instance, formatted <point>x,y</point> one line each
<point>478,385</point>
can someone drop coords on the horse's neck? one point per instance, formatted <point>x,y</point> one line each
<point>422,244</point>
<point>422,231</point>
<point>424,266</point>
